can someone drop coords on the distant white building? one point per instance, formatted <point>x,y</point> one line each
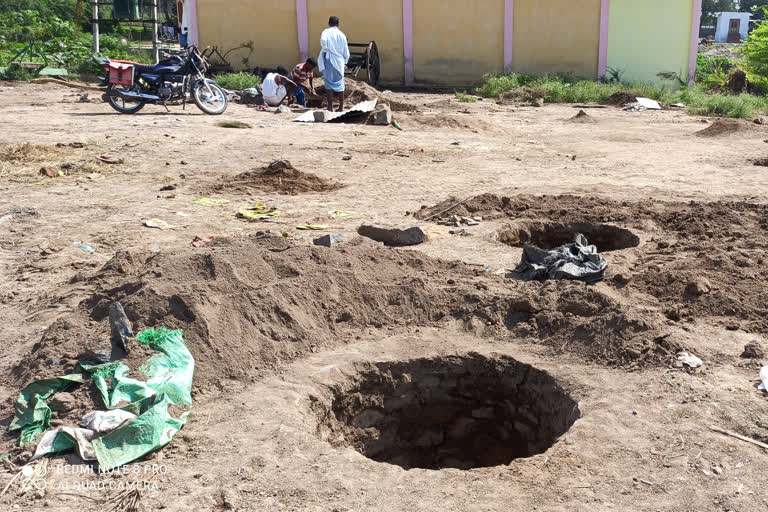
<point>732,27</point>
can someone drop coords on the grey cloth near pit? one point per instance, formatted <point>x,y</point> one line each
<point>578,260</point>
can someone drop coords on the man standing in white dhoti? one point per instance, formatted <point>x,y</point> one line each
<point>334,55</point>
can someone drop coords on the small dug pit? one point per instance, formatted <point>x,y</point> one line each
<point>447,412</point>
<point>605,237</point>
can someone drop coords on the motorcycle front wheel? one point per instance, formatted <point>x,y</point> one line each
<point>210,98</point>
<point>121,104</point>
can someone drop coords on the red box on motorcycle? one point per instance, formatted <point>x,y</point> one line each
<point>121,73</point>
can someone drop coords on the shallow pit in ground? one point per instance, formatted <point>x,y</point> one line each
<point>447,412</point>
<point>549,235</point>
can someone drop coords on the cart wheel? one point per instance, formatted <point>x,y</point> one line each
<point>372,63</point>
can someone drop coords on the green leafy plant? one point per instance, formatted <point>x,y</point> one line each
<point>238,81</point>
<point>755,49</point>
<point>612,75</point>
<point>464,97</point>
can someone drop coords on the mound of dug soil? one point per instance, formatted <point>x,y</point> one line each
<point>249,305</point>
<point>356,91</point>
<point>702,260</point>
<point>619,99</point>
<point>455,122</point>
<point>582,118</point>
<point>281,177</point>
<point>726,127</point>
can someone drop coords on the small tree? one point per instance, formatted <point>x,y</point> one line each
<point>755,48</point>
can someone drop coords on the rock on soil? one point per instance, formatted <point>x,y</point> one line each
<point>328,240</point>
<point>698,287</point>
<point>394,237</point>
<point>279,176</point>
<point>753,351</point>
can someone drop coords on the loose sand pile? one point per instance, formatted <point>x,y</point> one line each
<point>250,305</point>
<point>356,91</point>
<point>726,127</point>
<point>279,176</point>
<point>582,118</point>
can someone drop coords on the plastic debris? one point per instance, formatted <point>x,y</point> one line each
<point>85,247</point>
<point>578,260</point>
<point>210,201</point>
<point>763,379</point>
<point>32,415</point>
<point>120,327</point>
<point>158,223</point>
<point>689,359</point>
<point>106,421</point>
<point>316,227</point>
<point>258,212</point>
<point>169,382</point>
<point>338,214</point>
<point>649,103</point>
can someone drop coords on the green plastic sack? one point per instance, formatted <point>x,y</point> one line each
<point>32,414</point>
<point>153,429</point>
<point>169,375</point>
<point>169,371</point>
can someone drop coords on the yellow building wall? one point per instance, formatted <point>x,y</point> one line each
<point>557,36</point>
<point>270,24</point>
<point>650,37</point>
<point>380,21</point>
<point>455,42</point>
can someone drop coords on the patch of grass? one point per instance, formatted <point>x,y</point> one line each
<point>465,97</point>
<point>700,102</point>
<point>233,124</point>
<point>567,89</point>
<point>237,81</point>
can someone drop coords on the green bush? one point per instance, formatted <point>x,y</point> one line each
<point>700,102</point>
<point>755,49</point>
<point>238,81</point>
<point>567,89</point>
<point>14,72</point>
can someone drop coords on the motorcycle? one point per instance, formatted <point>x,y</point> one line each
<point>178,77</point>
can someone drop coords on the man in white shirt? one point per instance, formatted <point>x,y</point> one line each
<point>334,55</point>
<point>276,87</point>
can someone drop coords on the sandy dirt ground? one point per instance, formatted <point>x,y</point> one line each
<point>285,334</point>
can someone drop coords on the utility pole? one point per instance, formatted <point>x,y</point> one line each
<point>95,8</point>
<point>155,35</point>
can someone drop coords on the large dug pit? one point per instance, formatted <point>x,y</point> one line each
<point>549,235</point>
<point>448,412</point>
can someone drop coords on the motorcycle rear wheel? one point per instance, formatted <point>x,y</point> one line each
<point>122,104</point>
<point>212,103</point>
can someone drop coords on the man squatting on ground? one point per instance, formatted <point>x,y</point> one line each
<point>334,55</point>
<point>277,86</point>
